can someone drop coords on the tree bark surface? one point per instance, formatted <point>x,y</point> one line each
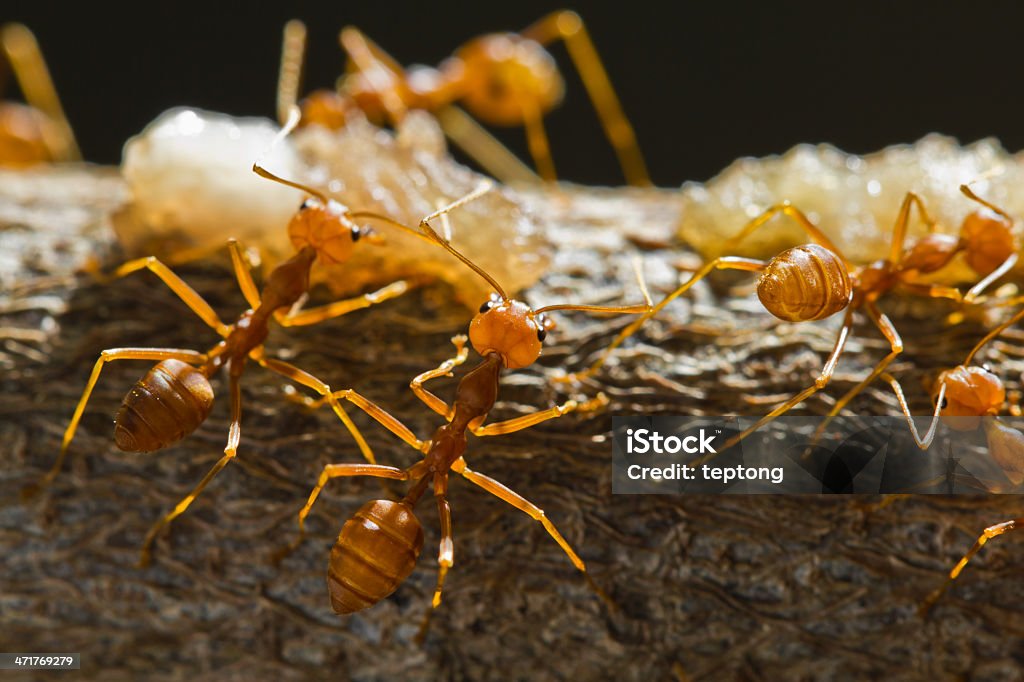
<point>727,587</point>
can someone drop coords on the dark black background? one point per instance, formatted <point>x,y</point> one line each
<point>703,82</point>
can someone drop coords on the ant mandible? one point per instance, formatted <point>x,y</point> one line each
<point>175,396</point>
<point>503,79</point>
<point>814,281</point>
<point>379,545</point>
<point>39,131</point>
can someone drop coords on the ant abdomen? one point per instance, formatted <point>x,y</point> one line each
<point>805,283</point>
<point>500,71</point>
<point>375,552</point>
<point>166,405</point>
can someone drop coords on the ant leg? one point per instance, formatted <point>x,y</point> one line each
<point>896,344</point>
<point>336,471</point>
<point>929,436</point>
<point>234,435</point>
<point>19,46</point>
<point>537,141</point>
<point>343,307</point>
<point>568,27</point>
<point>484,148</point>
<point>331,397</point>
<point>986,535</point>
<point>379,69</point>
<point>293,47</point>
<point>528,420</point>
<point>791,211</point>
<point>500,491</point>
<point>993,334</point>
<point>109,355</point>
<point>303,377</point>
<point>176,284</point>
<point>899,231</point>
<point>721,263</point>
<point>446,551</point>
<point>974,292</point>
<point>932,291</point>
<point>243,275</point>
<point>443,370</point>
<point>821,382</point>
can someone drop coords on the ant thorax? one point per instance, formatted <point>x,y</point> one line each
<point>930,253</point>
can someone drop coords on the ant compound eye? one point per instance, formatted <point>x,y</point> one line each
<point>491,302</point>
<point>306,204</point>
<point>945,402</point>
<point>987,368</point>
<point>356,234</point>
<point>542,334</point>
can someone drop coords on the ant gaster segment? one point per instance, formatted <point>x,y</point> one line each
<point>175,396</point>
<point>39,131</point>
<point>379,545</point>
<point>503,79</point>
<point>815,281</point>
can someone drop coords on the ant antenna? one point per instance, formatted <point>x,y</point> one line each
<point>293,48</point>
<point>994,333</point>
<point>966,189</point>
<point>483,188</point>
<point>293,120</point>
<point>644,307</point>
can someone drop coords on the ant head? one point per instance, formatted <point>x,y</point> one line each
<point>987,239</point>
<point>986,235</point>
<point>502,71</point>
<point>326,108</point>
<point>320,223</point>
<point>327,227</point>
<point>970,392</point>
<point>511,329</point>
<point>805,283</point>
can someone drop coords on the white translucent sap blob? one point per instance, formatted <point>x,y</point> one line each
<point>191,177</point>
<point>190,174</point>
<point>853,199</point>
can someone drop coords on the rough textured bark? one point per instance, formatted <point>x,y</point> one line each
<point>705,588</point>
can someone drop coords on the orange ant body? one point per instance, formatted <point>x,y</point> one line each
<point>37,132</point>
<point>815,281</point>
<point>968,395</point>
<point>503,79</point>
<point>379,545</point>
<point>175,396</point>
